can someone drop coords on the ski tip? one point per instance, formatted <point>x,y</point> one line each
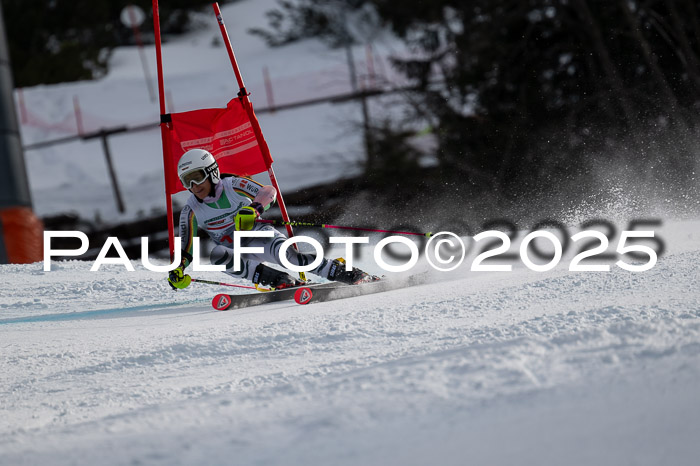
<point>303,295</point>
<point>221,302</point>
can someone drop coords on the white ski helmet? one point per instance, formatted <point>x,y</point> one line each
<point>195,166</point>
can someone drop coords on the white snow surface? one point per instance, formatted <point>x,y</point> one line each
<point>561,367</point>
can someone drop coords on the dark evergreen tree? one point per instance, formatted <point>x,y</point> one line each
<point>53,41</point>
<point>521,91</point>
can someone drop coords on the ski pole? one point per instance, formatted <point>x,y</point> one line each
<point>209,282</point>
<point>339,227</point>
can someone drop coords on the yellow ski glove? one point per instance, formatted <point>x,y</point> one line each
<point>246,216</point>
<point>178,280</point>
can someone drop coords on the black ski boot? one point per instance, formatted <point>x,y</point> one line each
<point>267,276</point>
<point>351,277</point>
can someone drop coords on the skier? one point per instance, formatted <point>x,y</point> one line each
<point>222,204</point>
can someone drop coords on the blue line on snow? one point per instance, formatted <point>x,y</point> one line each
<point>89,314</point>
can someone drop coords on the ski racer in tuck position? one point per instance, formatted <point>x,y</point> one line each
<point>221,204</point>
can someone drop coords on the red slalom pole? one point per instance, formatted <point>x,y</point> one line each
<point>339,227</point>
<point>164,128</point>
<point>229,48</point>
<point>248,106</point>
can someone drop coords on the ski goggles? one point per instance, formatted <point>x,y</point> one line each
<point>197,177</point>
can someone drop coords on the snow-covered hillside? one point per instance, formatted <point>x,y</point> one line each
<point>310,145</point>
<point>561,367</point>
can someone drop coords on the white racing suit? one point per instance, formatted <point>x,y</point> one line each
<point>216,216</point>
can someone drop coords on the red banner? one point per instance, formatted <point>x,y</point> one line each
<point>225,132</point>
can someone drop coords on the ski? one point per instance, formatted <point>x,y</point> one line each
<point>308,294</point>
<point>227,302</point>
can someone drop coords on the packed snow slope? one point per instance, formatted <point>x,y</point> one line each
<point>518,367</point>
